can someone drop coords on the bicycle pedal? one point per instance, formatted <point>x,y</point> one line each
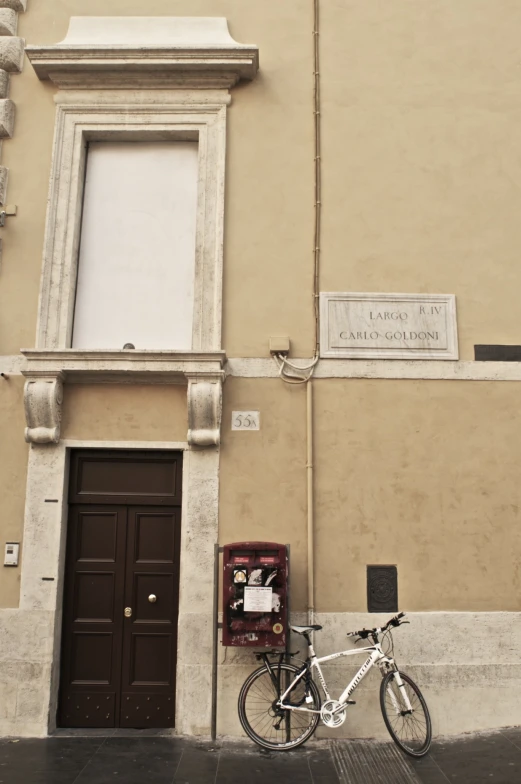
<point>351,702</point>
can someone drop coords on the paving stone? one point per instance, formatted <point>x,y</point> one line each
<point>136,758</point>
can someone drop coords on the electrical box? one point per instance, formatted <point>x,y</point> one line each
<point>12,552</point>
<point>255,595</point>
<point>279,345</point>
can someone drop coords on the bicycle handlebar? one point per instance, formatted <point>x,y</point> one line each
<point>364,633</point>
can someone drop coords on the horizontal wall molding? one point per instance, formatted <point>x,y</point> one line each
<point>145,52</point>
<point>261,367</point>
<point>381,368</point>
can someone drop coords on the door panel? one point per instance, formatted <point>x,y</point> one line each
<point>91,658</point>
<point>97,536</point>
<point>94,597</point>
<point>93,628</point>
<point>150,660</point>
<point>155,538</point>
<point>122,477</point>
<point>148,585</point>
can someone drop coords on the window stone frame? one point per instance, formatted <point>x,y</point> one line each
<point>176,74</point>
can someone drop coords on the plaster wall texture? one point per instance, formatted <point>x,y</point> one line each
<point>261,172</point>
<point>13,462</point>
<point>406,473</point>
<point>117,412</point>
<point>423,475</point>
<point>430,201</point>
<point>262,473</point>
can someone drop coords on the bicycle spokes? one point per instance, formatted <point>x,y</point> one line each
<point>406,714</point>
<point>270,724</point>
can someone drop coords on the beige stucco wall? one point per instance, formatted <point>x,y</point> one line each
<point>263,474</point>
<point>269,174</point>
<point>420,154</point>
<point>424,475</point>
<point>420,158</point>
<point>109,412</point>
<point>13,473</point>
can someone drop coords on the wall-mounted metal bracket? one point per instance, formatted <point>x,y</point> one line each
<point>9,211</point>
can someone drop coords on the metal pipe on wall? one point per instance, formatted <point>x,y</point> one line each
<point>310,501</point>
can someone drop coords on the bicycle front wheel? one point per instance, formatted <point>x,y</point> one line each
<point>410,730</point>
<point>272,727</point>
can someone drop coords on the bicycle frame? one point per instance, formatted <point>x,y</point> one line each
<point>376,656</point>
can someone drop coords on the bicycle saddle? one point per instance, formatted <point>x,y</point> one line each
<point>304,629</point>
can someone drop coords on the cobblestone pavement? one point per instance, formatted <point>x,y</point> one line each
<point>141,757</point>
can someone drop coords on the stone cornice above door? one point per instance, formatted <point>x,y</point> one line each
<point>146,52</point>
<point>47,370</point>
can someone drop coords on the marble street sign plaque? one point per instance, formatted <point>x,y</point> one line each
<point>388,326</point>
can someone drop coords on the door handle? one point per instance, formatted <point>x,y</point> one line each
<point>128,612</point>
<point>152,598</point>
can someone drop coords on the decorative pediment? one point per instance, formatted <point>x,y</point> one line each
<point>146,52</point>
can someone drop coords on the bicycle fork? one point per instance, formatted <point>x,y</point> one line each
<point>403,693</point>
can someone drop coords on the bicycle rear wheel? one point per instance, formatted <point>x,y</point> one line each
<point>412,732</point>
<point>272,727</point>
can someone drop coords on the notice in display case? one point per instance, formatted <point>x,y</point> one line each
<point>257,599</point>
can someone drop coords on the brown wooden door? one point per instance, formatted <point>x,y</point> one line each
<point>150,634</point>
<point>121,601</point>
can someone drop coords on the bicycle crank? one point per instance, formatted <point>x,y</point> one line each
<point>328,715</point>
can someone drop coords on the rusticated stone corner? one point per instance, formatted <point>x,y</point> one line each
<point>204,409</point>
<point>4,174</point>
<point>11,54</point>
<point>43,397</point>
<point>4,84</point>
<point>8,21</point>
<point>7,112</point>
<point>17,5</point>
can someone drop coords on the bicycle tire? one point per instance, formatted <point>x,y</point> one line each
<point>256,701</point>
<point>419,730</point>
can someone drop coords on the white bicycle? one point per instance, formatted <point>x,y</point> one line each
<point>280,705</point>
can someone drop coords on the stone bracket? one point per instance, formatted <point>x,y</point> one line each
<point>43,396</point>
<point>204,409</point>
<point>16,5</point>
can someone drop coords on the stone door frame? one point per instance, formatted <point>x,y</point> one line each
<point>43,570</point>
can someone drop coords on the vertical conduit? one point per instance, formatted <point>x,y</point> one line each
<point>302,374</point>
<point>310,483</point>
<point>316,292</point>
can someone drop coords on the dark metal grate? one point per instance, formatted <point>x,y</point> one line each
<point>382,589</point>
<point>484,353</point>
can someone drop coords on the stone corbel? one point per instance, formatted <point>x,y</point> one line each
<point>204,409</point>
<point>43,396</point>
